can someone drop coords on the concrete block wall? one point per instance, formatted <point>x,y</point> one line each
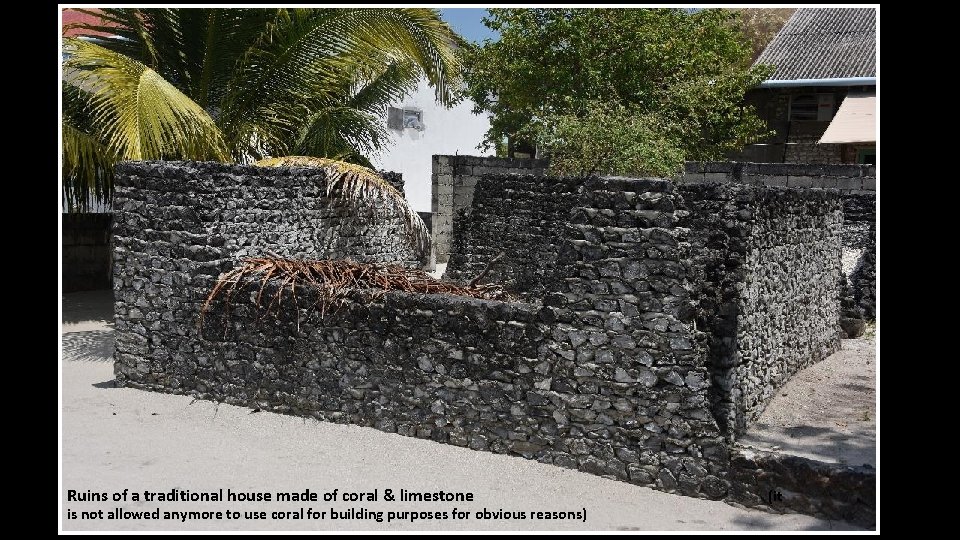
<point>849,179</point>
<point>453,181</point>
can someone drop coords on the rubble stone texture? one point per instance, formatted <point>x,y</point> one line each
<point>648,313</point>
<point>768,294</point>
<point>857,185</point>
<point>453,182</point>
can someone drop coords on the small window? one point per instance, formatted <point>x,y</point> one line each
<point>867,156</point>
<point>809,107</point>
<point>413,118</point>
<point>406,118</point>
<point>394,118</point>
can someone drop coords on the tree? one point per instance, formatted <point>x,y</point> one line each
<point>241,85</point>
<point>673,77</point>
<point>609,138</point>
<point>759,25</point>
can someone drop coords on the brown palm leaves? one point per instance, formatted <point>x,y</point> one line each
<point>358,182</point>
<point>334,281</point>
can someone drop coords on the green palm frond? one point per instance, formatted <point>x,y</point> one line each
<point>357,182</point>
<point>195,49</point>
<point>244,84</point>
<point>341,131</point>
<point>310,57</point>
<point>137,114</point>
<point>87,168</point>
<point>388,86</point>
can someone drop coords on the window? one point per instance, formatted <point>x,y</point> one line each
<point>809,107</point>
<point>867,156</point>
<point>406,118</point>
<point>412,119</point>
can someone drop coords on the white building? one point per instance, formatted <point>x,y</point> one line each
<point>421,128</point>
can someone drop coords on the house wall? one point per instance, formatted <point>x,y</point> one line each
<point>607,378</point>
<point>803,146</point>
<point>794,141</point>
<point>446,131</point>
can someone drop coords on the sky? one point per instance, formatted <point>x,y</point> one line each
<point>467,23</point>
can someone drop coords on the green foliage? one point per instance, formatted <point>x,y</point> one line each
<point>673,78</point>
<point>610,139</point>
<point>241,85</point>
<point>760,25</point>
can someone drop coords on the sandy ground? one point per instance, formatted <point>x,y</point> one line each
<point>119,438</point>
<point>827,411</point>
<point>440,269</point>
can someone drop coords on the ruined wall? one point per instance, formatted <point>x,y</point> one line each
<point>859,219</point>
<point>453,181</point>
<point>607,376</point>
<point>178,225</point>
<point>863,280</point>
<point>766,261</point>
<point>857,185</point>
<point>522,217</point>
<point>233,211</point>
<point>395,179</point>
<point>769,301</point>
<point>606,371</point>
<point>786,483</point>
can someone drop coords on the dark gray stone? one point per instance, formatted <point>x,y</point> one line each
<point>647,343</point>
<point>828,490</point>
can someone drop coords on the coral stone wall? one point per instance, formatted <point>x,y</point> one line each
<point>504,377</point>
<point>768,300</point>
<point>766,262</point>
<point>453,183</point>
<point>178,225</point>
<point>857,185</point>
<point>607,377</point>
<point>864,280</point>
<point>795,484</point>
<point>607,366</point>
<point>525,218</point>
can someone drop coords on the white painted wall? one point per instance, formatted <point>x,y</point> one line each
<point>446,131</point>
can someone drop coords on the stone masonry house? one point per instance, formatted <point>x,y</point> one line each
<point>821,98</point>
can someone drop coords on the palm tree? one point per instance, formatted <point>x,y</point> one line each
<point>241,85</point>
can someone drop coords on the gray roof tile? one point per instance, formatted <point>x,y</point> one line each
<point>824,43</point>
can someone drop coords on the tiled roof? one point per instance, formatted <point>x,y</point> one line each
<point>824,43</point>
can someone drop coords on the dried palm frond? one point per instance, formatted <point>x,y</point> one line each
<point>357,182</point>
<point>334,281</point>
